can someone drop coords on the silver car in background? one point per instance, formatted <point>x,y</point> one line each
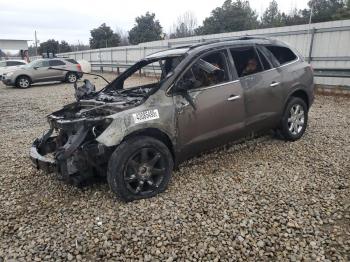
<point>7,66</point>
<point>39,71</point>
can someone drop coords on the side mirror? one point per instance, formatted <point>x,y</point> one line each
<point>184,85</point>
<point>182,88</point>
<point>35,67</point>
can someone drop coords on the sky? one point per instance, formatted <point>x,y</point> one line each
<point>72,20</point>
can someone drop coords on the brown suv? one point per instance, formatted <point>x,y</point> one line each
<point>204,96</point>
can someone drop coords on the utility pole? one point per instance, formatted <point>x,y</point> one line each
<point>36,43</point>
<point>311,11</point>
<point>311,35</point>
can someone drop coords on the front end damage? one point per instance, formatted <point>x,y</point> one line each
<point>83,135</point>
<point>70,148</point>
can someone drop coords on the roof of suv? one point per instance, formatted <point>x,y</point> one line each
<point>181,50</point>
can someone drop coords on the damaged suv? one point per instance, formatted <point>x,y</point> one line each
<point>204,96</point>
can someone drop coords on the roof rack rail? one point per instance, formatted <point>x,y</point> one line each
<point>209,41</point>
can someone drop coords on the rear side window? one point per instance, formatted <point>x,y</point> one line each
<point>264,61</point>
<point>72,61</point>
<point>247,61</point>
<point>56,63</point>
<point>283,54</point>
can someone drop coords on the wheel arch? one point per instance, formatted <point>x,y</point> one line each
<point>17,77</point>
<point>156,134</point>
<point>300,93</point>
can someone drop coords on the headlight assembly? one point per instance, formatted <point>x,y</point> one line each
<point>8,74</point>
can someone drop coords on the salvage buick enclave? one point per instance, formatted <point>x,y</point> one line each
<point>204,96</point>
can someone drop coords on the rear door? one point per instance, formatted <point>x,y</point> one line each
<point>56,74</point>
<point>262,87</point>
<point>217,114</point>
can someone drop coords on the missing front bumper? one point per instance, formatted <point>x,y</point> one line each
<point>75,160</point>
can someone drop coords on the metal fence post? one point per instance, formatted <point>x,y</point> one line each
<point>311,44</point>
<point>101,67</point>
<point>112,59</point>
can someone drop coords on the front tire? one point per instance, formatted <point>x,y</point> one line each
<point>23,82</point>
<point>295,119</point>
<point>140,167</point>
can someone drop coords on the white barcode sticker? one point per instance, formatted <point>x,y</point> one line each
<point>145,116</point>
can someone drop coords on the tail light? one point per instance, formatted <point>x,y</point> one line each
<point>78,67</point>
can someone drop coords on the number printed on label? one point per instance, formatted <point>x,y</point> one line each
<point>146,116</point>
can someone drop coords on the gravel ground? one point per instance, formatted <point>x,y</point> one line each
<point>264,199</point>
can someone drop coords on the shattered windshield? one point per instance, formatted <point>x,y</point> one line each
<point>147,74</point>
<point>140,81</point>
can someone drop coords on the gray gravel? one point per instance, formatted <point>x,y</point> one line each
<point>264,199</point>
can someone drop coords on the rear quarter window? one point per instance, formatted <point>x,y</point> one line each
<point>56,63</point>
<point>72,61</point>
<point>283,54</point>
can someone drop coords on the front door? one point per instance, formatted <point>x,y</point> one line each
<point>41,70</point>
<point>215,112</point>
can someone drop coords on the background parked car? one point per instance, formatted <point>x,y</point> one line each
<point>38,71</point>
<point>10,65</point>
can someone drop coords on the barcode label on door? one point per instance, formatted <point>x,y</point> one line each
<point>145,116</point>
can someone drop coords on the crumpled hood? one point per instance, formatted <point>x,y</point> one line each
<point>98,107</point>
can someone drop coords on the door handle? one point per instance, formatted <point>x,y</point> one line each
<point>233,98</point>
<point>273,84</point>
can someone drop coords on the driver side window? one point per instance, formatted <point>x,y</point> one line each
<point>208,71</point>
<point>41,63</point>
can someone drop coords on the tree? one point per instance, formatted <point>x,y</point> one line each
<point>50,46</point>
<point>64,47</point>
<point>272,17</point>
<point>295,17</point>
<point>31,50</point>
<point>185,26</point>
<point>343,13</point>
<point>324,10</point>
<point>146,29</point>
<point>232,16</point>
<point>103,36</point>
<point>124,40</point>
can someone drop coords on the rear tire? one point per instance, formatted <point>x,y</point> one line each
<point>294,120</point>
<point>23,82</point>
<point>140,167</point>
<point>71,77</point>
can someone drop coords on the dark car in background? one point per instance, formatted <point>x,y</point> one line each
<point>39,71</point>
<point>205,95</point>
